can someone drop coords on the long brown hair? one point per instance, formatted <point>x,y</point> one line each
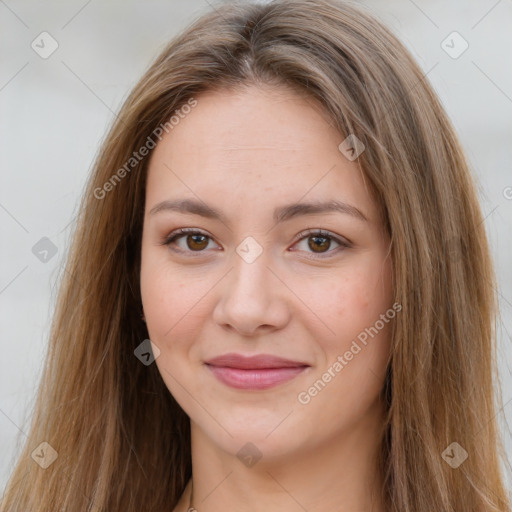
<point>123,442</point>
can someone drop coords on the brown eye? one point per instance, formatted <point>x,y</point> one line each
<point>196,241</point>
<point>319,243</point>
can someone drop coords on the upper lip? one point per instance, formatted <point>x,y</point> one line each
<point>259,361</point>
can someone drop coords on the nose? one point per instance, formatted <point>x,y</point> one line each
<point>252,298</point>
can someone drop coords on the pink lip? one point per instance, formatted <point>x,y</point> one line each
<point>254,372</point>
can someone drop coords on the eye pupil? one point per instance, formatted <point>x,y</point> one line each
<point>195,237</point>
<point>316,238</point>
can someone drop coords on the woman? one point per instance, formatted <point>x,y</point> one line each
<point>279,294</point>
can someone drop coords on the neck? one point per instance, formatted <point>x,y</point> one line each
<point>340,473</point>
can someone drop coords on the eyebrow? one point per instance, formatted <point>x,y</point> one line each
<point>281,214</point>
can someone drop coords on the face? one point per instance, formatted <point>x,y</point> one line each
<point>251,277</point>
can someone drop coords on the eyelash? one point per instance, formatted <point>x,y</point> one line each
<point>172,237</point>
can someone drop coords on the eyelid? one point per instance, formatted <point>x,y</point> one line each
<point>323,232</point>
<point>342,241</point>
<point>177,233</point>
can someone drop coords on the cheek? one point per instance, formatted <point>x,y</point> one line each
<point>354,304</point>
<point>174,306</point>
<point>362,341</point>
<point>168,316</point>
<point>160,287</point>
<point>164,297</point>
<point>366,292</point>
<point>358,302</point>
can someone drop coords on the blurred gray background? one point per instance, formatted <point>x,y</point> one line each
<point>55,109</point>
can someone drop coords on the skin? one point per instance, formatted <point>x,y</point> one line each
<point>245,153</point>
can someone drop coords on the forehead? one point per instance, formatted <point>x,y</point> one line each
<point>263,119</point>
<point>262,144</point>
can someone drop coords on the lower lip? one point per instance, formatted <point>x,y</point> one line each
<point>255,379</point>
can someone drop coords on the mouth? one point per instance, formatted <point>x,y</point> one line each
<point>254,372</point>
